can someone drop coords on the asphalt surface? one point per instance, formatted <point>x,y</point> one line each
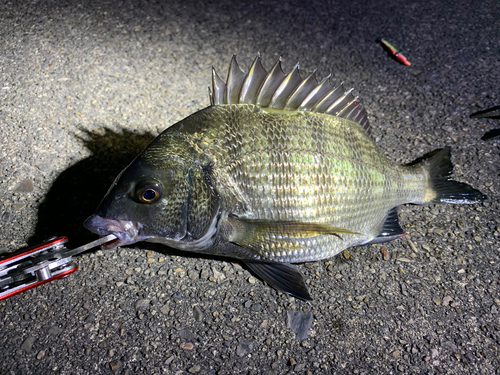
<point>85,85</point>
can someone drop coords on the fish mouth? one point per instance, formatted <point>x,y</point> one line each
<point>127,232</point>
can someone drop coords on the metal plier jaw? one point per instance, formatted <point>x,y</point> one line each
<point>40,264</point>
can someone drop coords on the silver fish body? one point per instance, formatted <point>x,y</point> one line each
<point>277,170</point>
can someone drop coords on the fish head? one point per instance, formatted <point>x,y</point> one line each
<point>147,201</point>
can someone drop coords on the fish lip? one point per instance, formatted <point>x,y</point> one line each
<point>126,231</point>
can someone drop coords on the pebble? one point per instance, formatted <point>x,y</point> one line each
<point>434,353</point>
<point>395,353</point>
<point>165,309</point>
<point>115,365</point>
<point>244,348</point>
<point>40,354</point>
<point>412,245</point>
<point>7,216</point>
<point>197,313</point>
<point>55,330</point>
<point>194,369</point>
<point>405,260</point>
<point>142,303</point>
<point>218,276</point>
<point>18,206</point>
<point>204,274</point>
<point>187,346</point>
<point>300,367</point>
<point>169,360</point>
<point>24,186</point>
<point>385,254</point>
<point>256,307</point>
<point>251,280</point>
<point>177,297</point>
<point>446,301</point>
<point>28,343</point>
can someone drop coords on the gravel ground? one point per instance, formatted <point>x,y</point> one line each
<point>85,85</point>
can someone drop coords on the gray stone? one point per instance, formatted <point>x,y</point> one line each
<point>197,313</point>
<point>27,344</point>
<point>142,304</point>
<point>244,348</point>
<point>55,331</point>
<point>7,216</point>
<point>24,186</point>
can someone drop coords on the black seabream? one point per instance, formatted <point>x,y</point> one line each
<point>277,170</point>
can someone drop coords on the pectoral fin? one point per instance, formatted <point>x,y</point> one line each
<point>252,230</point>
<point>283,277</point>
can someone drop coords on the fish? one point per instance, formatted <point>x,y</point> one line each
<point>277,170</point>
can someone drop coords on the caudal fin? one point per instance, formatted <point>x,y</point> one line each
<point>445,188</point>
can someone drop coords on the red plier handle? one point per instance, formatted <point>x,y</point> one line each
<point>40,264</point>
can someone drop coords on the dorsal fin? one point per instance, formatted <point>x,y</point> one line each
<point>277,90</point>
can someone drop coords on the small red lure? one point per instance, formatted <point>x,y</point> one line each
<point>395,52</point>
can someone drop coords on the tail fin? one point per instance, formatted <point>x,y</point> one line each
<point>445,188</point>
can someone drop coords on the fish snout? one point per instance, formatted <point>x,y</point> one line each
<point>127,232</point>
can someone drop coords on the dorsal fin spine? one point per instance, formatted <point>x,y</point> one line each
<point>286,88</point>
<point>317,93</point>
<point>235,77</point>
<point>331,97</point>
<point>253,81</point>
<point>218,89</point>
<point>288,92</point>
<point>337,107</point>
<point>270,84</point>
<point>300,93</point>
<point>349,111</point>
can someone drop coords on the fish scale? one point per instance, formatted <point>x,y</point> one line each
<point>278,170</point>
<point>267,170</point>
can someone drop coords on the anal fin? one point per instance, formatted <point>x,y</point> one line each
<point>390,228</point>
<point>283,277</point>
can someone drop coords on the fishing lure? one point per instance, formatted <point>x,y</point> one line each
<point>395,52</point>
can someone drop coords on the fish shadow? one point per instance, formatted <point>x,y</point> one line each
<point>77,191</point>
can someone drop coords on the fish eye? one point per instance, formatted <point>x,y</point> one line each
<point>149,193</point>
